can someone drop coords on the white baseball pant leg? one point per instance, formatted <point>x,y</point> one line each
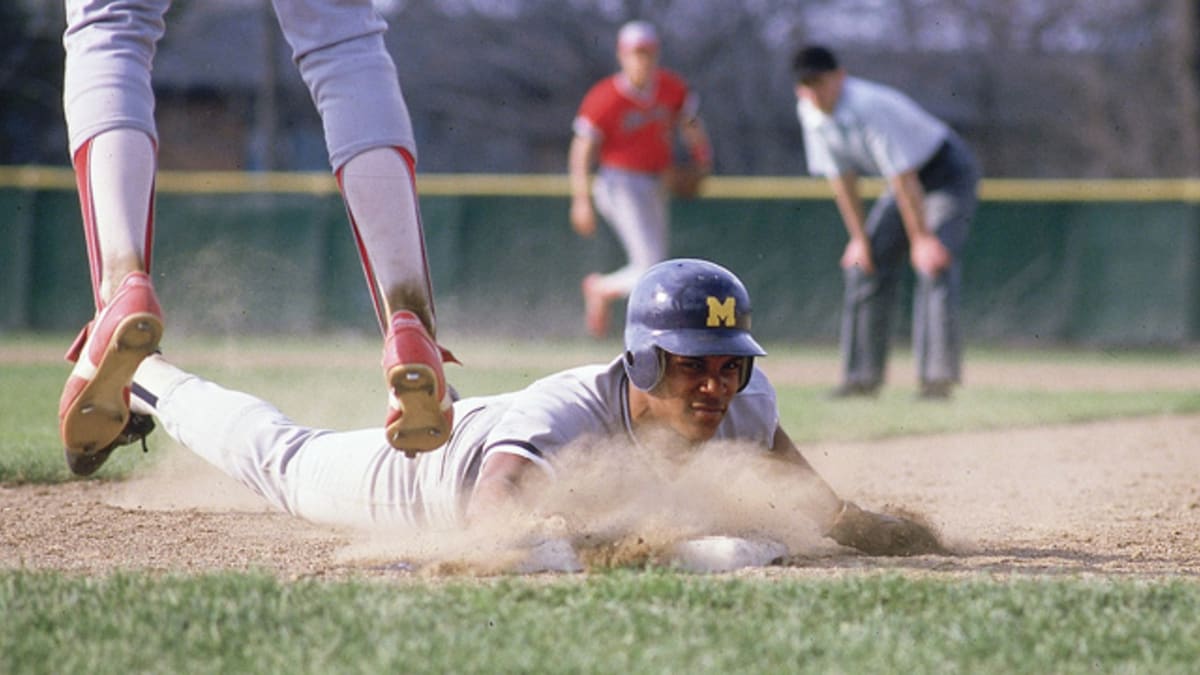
<point>350,478</point>
<point>635,206</point>
<point>338,45</point>
<point>108,105</point>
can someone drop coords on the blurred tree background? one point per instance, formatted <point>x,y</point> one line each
<point>1042,88</point>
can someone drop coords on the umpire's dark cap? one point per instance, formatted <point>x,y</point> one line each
<point>812,62</point>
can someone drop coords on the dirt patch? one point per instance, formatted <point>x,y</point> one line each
<point>1109,498</point>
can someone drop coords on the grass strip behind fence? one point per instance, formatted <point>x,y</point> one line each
<point>337,385</point>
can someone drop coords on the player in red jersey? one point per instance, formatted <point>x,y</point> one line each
<point>625,125</point>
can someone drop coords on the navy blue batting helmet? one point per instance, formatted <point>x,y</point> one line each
<point>688,307</point>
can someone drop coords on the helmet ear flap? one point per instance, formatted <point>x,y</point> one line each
<point>644,367</point>
<point>747,372</point>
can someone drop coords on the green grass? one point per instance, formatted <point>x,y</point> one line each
<point>809,416</point>
<point>623,621</point>
<point>336,383</point>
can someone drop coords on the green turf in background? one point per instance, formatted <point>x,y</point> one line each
<point>336,383</point>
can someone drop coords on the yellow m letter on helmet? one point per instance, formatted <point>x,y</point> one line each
<point>721,313</point>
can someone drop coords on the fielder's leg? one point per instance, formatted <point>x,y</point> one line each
<point>381,202</point>
<point>338,46</point>
<point>109,105</point>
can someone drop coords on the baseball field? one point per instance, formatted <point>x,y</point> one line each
<point>1066,485</point>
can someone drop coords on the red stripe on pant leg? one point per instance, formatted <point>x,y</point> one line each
<point>148,246</point>
<point>83,185</point>
<point>368,271</point>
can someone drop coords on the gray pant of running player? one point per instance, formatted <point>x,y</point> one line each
<point>950,180</point>
<point>635,206</point>
<point>337,44</point>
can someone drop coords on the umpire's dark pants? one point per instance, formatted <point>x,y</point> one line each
<point>950,179</point>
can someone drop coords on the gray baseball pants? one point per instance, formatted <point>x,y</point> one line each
<point>636,207</point>
<point>337,45</point>
<point>950,180</point>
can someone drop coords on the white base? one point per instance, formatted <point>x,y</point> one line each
<point>725,554</point>
<point>552,555</point>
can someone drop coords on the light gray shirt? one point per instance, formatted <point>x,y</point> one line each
<point>874,130</point>
<point>572,408</point>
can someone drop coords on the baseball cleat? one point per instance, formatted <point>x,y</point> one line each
<point>136,429</point>
<point>94,408</point>
<point>420,406</point>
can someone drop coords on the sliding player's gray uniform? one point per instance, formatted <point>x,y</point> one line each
<point>355,478</point>
<point>878,131</point>
<point>337,44</point>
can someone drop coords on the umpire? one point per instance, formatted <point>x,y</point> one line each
<point>854,127</point>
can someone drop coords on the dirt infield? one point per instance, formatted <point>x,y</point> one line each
<point>1112,498</point>
<point>1118,497</point>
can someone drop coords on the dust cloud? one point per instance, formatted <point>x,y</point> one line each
<point>621,505</point>
<point>608,504</point>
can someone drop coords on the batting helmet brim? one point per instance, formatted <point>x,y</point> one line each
<point>707,342</point>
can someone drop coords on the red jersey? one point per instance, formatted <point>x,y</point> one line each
<point>634,127</point>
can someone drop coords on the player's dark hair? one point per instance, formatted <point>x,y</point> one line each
<point>811,62</point>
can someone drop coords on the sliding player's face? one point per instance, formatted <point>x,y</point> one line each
<point>694,394</point>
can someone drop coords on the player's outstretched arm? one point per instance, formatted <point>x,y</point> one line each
<point>847,524</point>
<point>499,498</point>
<point>821,502</point>
<point>498,488</point>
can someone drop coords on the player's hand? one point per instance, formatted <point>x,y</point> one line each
<point>882,534</point>
<point>929,256</point>
<point>858,256</point>
<point>685,180</point>
<point>583,217</point>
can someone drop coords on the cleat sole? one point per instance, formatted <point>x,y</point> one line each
<point>422,425</point>
<point>100,411</point>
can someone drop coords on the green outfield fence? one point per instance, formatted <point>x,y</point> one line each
<point>1053,262</point>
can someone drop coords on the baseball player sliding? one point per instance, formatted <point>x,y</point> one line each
<point>338,47</point>
<point>626,122</point>
<point>687,371</point>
